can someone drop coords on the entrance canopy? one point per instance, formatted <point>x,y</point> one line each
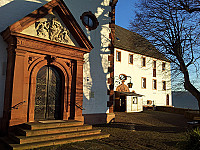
<point>128,94</point>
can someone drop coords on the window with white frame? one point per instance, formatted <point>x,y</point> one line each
<point>154,64</point>
<point>163,85</point>
<point>143,61</point>
<point>118,56</point>
<point>154,84</point>
<point>154,68</point>
<point>143,83</point>
<point>163,66</point>
<point>130,59</point>
<point>135,100</point>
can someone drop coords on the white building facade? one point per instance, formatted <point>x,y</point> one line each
<point>72,41</point>
<point>149,73</point>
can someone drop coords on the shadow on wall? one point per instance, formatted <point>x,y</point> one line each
<point>16,10</point>
<point>97,63</point>
<point>3,62</point>
<point>11,12</point>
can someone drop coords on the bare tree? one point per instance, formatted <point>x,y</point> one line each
<point>174,32</point>
<point>190,5</point>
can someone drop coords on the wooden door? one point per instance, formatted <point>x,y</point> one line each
<point>48,90</point>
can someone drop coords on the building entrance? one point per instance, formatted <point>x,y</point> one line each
<point>122,103</point>
<point>48,94</point>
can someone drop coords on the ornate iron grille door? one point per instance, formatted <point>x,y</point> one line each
<point>48,90</point>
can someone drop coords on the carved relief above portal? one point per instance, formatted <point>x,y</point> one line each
<point>53,30</point>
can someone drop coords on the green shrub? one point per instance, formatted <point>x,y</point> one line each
<point>193,140</point>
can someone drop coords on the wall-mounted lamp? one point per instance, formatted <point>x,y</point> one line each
<point>130,84</point>
<point>122,78</point>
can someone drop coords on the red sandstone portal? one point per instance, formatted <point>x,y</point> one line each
<point>28,54</point>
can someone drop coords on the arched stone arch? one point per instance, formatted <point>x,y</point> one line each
<point>66,77</point>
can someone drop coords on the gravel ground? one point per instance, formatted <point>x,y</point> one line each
<point>149,130</point>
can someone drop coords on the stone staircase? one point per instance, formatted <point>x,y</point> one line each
<point>53,132</point>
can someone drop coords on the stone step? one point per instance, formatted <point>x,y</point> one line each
<point>7,141</point>
<point>50,124</point>
<point>28,133</point>
<point>40,138</point>
<point>57,142</point>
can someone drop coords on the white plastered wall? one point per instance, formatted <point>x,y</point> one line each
<point>10,12</point>
<point>136,71</point>
<point>96,62</point>
<point>134,107</point>
<point>95,71</point>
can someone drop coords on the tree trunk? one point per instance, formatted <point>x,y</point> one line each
<point>187,84</point>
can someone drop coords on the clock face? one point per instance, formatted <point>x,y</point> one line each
<point>122,77</point>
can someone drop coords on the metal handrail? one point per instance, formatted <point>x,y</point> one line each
<point>17,105</point>
<point>79,106</point>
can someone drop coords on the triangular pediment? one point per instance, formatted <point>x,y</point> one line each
<point>51,27</point>
<point>53,22</point>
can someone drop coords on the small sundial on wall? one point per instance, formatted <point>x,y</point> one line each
<point>122,77</point>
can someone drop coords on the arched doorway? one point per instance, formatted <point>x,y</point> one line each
<point>48,94</point>
<point>120,99</point>
<point>167,99</point>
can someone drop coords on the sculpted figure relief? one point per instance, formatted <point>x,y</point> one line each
<point>53,30</point>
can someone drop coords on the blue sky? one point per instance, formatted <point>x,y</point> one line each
<point>124,12</point>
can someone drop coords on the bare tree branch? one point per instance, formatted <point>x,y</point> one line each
<point>174,32</point>
<point>185,6</point>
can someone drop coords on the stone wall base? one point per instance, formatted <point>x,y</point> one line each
<point>99,118</point>
<point>171,109</point>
